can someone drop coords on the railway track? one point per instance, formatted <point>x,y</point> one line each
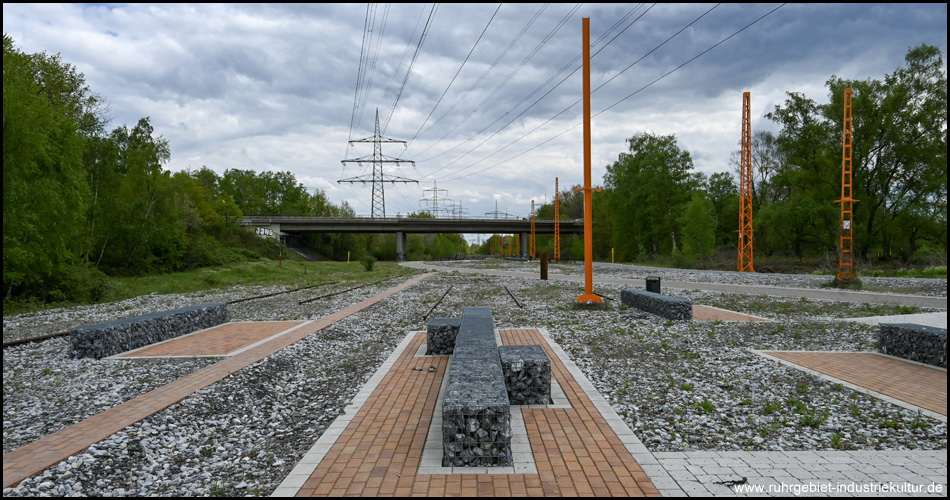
<point>42,338</point>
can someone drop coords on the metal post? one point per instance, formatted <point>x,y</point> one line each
<point>589,295</point>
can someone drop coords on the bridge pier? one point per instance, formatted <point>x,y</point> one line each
<point>401,243</point>
<point>523,244</point>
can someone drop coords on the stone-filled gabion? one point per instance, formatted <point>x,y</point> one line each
<point>441,334</point>
<point>476,415</point>
<point>527,370</point>
<point>114,337</point>
<point>661,305</point>
<point>924,344</point>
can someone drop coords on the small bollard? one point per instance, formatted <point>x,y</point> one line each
<point>544,266</point>
<point>653,284</point>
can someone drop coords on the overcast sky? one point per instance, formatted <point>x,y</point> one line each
<point>489,102</point>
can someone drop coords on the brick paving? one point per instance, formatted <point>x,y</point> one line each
<point>709,313</point>
<point>221,340</point>
<point>913,383</point>
<point>32,458</point>
<point>582,448</point>
<point>378,451</point>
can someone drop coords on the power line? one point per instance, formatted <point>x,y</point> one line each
<point>603,110</point>
<point>456,76</point>
<point>422,38</point>
<point>568,65</point>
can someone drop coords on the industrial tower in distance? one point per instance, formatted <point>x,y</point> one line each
<point>378,177</point>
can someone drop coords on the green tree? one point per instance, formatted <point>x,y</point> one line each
<point>899,159</point>
<point>141,230</point>
<point>647,189</point>
<point>900,144</point>
<point>698,226</point>
<point>45,193</point>
<point>723,194</point>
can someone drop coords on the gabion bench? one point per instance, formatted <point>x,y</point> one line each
<point>441,334</point>
<point>113,337</point>
<point>527,371</point>
<point>655,303</point>
<point>476,414</point>
<point>924,344</point>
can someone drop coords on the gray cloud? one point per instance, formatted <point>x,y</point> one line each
<point>272,86</point>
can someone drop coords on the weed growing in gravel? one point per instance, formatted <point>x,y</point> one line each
<point>890,423</point>
<point>218,489</point>
<point>855,409</point>
<point>686,386</point>
<point>814,419</point>
<point>836,441</point>
<point>918,422</point>
<point>706,406</point>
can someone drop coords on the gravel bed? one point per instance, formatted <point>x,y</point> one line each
<point>679,385</point>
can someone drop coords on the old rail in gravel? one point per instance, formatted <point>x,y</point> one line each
<point>426,315</point>
<point>49,450</point>
<point>41,338</point>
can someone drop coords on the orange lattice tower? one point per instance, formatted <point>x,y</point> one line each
<point>531,247</point>
<point>557,224</point>
<point>745,190</point>
<point>845,257</point>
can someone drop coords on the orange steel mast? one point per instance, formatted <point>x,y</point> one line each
<point>589,295</point>
<point>531,247</point>
<point>557,224</point>
<point>745,190</point>
<point>845,261</point>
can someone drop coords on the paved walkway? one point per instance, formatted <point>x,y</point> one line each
<point>228,339</point>
<point>31,459</point>
<point>384,443</point>
<point>379,447</point>
<point>905,383</point>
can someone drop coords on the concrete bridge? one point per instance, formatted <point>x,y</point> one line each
<point>402,226</point>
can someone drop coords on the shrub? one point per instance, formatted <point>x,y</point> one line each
<point>368,262</point>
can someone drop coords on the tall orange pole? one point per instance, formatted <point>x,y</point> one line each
<point>557,224</point>
<point>589,295</point>
<point>845,258</point>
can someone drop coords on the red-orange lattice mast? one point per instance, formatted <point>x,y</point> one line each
<point>531,247</point>
<point>845,257</point>
<point>745,190</point>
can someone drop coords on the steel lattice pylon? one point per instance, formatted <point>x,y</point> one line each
<point>531,247</point>
<point>745,190</point>
<point>845,257</point>
<point>377,178</point>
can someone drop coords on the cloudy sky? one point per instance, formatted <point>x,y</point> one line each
<point>486,96</point>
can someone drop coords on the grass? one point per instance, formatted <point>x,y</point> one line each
<point>706,406</point>
<point>265,272</point>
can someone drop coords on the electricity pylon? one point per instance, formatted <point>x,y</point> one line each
<point>378,177</point>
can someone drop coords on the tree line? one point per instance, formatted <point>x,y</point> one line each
<point>81,202</point>
<point>654,204</point>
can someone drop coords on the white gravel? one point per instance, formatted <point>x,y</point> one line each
<point>679,385</point>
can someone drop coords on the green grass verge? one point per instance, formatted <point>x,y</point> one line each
<point>263,272</point>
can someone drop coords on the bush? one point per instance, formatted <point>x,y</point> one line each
<point>82,283</point>
<point>368,262</point>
